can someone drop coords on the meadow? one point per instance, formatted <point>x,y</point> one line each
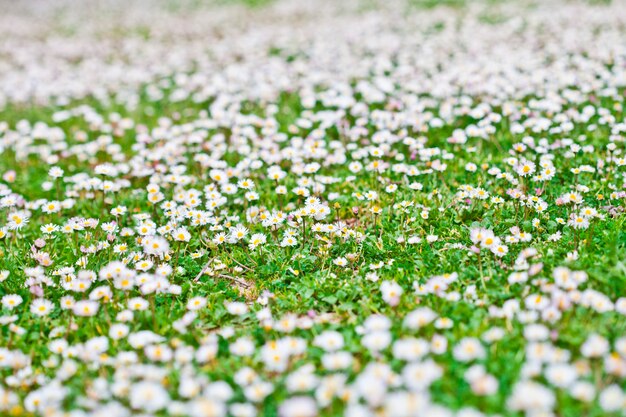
<point>299,209</point>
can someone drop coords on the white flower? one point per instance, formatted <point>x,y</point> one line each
<point>329,341</point>
<point>85,308</point>
<point>341,261</point>
<point>207,407</point>
<point>181,234</point>
<point>258,391</point>
<point>400,404</point>
<point>595,346</point>
<point>236,308</point>
<point>561,375</point>
<point>335,361</point>
<point>531,397</point>
<point>118,331</point>
<point>391,292</point>
<point>242,410</point>
<point>55,172</point>
<point>583,391</point>
<point>612,398</point>
<point>419,318</point>
<point>376,341</point>
<point>419,376</point>
<point>468,349</point>
<point>11,301</point>
<point>432,238</point>
<point>242,347</point>
<point>155,245</point>
<point>298,407</point>
<point>196,303</point>
<point>41,307</point>
<point>410,349</point>
<point>148,396</point>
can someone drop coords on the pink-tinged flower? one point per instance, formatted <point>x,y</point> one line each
<point>9,176</point>
<point>36,290</point>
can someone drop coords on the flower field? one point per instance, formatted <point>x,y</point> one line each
<point>289,208</point>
